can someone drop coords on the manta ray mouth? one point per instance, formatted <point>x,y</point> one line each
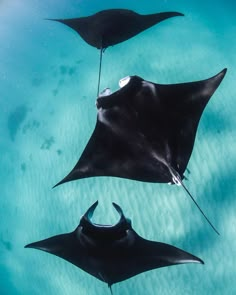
<point>90,227</point>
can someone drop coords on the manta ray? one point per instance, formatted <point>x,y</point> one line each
<point>146,131</point>
<point>112,253</point>
<point>110,27</point>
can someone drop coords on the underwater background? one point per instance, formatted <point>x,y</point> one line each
<point>48,83</point>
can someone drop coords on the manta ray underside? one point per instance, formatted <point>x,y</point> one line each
<point>112,253</point>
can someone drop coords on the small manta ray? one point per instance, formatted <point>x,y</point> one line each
<point>146,131</point>
<point>110,27</point>
<point>112,253</point>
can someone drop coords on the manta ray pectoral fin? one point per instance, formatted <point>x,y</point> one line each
<point>69,177</point>
<point>178,181</point>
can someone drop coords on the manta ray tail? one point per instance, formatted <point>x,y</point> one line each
<point>110,289</point>
<point>177,180</point>
<point>100,70</point>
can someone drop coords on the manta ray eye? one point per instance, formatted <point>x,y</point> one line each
<point>124,81</point>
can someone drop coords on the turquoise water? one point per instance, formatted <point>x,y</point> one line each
<point>48,81</point>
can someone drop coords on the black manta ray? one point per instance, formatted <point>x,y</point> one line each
<point>110,27</point>
<point>112,253</point>
<point>146,131</point>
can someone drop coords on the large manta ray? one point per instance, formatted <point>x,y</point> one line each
<point>146,131</point>
<point>110,27</point>
<point>112,253</point>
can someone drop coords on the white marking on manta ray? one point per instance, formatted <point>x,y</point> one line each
<point>105,92</point>
<point>124,81</point>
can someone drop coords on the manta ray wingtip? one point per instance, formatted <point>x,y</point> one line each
<point>52,19</point>
<point>179,14</point>
<point>59,183</point>
<point>69,177</point>
<point>199,260</point>
<point>172,13</point>
<point>224,70</point>
<point>222,73</point>
<point>31,245</point>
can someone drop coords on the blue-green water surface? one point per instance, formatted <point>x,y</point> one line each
<point>48,81</point>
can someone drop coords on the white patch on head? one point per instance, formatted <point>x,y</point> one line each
<point>149,85</point>
<point>124,81</point>
<point>105,92</point>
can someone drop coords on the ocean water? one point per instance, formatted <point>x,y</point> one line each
<point>48,82</point>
